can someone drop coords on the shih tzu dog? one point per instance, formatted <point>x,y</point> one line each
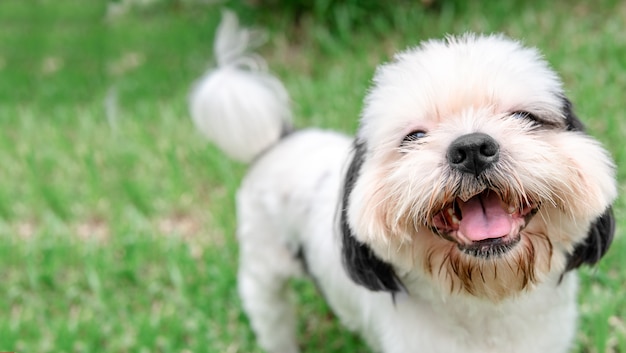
<point>453,222</point>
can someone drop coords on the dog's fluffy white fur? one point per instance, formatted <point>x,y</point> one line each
<point>395,226</point>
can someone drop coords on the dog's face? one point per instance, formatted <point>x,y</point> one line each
<point>471,171</point>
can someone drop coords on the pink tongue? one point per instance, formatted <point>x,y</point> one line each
<point>484,218</point>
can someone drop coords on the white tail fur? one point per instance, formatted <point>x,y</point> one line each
<point>239,106</point>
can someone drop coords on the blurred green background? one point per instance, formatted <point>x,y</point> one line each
<point>117,218</point>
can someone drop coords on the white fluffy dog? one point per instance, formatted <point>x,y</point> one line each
<point>453,222</point>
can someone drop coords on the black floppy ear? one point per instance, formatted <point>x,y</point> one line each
<point>602,230</point>
<point>360,262</point>
<point>572,121</point>
<point>597,243</point>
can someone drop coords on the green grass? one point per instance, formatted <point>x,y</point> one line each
<point>116,217</point>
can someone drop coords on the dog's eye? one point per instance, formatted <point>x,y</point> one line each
<point>414,136</point>
<point>525,115</point>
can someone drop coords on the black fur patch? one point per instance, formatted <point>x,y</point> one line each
<point>362,265</point>
<point>572,121</point>
<point>596,244</point>
<point>602,230</point>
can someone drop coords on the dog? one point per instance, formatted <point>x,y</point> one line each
<point>454,221</point>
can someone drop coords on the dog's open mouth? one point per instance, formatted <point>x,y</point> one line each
<point>483,225</point>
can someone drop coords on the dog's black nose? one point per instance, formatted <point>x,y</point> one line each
<point>473,153</point>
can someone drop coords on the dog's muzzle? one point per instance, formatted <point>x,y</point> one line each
<point>482,224</point>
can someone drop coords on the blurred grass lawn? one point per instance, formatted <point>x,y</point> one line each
<point>116,217</point>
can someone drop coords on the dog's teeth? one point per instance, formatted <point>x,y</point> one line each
<point>452,217</point>
<point>511,209</point>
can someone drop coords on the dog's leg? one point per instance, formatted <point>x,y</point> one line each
<point>265,268</point>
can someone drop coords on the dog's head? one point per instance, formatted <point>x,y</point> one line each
<point>471,171</point>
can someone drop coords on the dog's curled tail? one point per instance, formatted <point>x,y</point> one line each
<point>239,106</point>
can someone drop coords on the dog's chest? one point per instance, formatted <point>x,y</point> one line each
<point>541,322</point>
